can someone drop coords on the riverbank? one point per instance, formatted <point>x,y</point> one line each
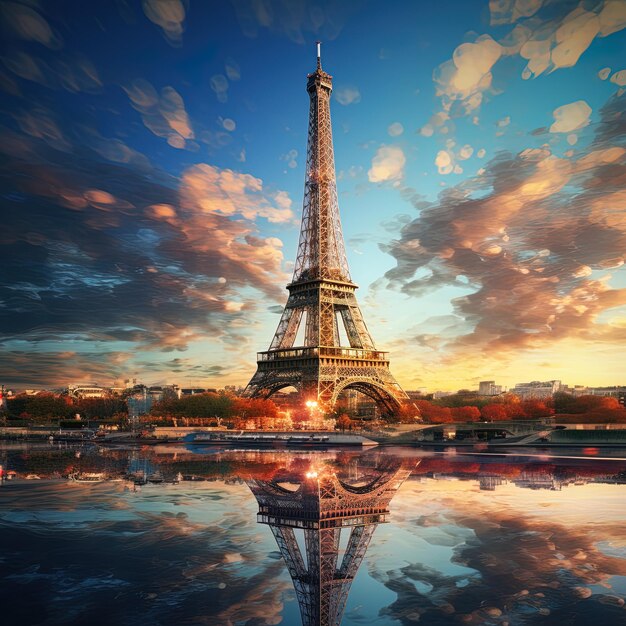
<point>491,435</point>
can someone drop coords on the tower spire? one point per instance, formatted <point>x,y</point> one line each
<point>319,55</point>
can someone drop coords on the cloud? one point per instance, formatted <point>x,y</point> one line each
<point>294,20</point>
<point>462,80</point>
<point>387,165</point>
<point>290,157</point>
<point>219,85</point>
<point>569,117</point>
<point>233,71</point>
<point>120,258</point>
<point>222,191</point>
<point>347,95</point>
<point>548,35</point>
<point>465,152</point>
<point>164,114</point>
<point>444,162</point>
<point>619,78</point>
<point>603,74</point>
<point>526,241</point>
<point>34,367</point>
<point>27,24</point>
<point>169,15</point>
<point>505,121</point>
<point>509,11</point>
<point>113,149</point>
<point>395,129</point>
<point>506,564</point>
<point>70,72</point>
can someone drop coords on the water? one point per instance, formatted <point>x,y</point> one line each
<point>470,538</point>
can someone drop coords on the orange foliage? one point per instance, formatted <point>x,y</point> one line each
<point>408,413</point>
<point>536,408</point>
<point>433,413</point>
<point>465,413</point>
<point>494,412</point>
<point>254,407</point>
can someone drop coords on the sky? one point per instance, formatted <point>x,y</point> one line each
<point>152,177</point>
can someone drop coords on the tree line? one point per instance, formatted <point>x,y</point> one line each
<point>565,407</point>
<point>49,406</point>
<point>223,406</point>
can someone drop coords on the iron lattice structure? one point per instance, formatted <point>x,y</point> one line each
<point>322,507</point>
<point>322,294</point>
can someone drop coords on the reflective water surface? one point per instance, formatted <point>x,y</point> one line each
<point>175,535</point>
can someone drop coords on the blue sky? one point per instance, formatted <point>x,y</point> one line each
<point>153,174</point>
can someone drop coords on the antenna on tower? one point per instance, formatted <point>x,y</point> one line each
<point>319,55</point>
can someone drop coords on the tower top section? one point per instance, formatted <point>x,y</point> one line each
<point>319,78</point>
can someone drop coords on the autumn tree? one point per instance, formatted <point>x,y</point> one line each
<point>254,407</point>
<point>433,413</point>
<point>514,410</point>
<point>43,406</point>
<point>343,422</point>
<point>465,413</point>
<point>536,408</point>
<point>494,412</point>
<point>408,413</point>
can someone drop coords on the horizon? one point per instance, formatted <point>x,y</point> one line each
<point>153,190</point>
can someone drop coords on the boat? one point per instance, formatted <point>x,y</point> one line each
<point>265,439</point>
<point>258,439</point>
<point>87,477</point>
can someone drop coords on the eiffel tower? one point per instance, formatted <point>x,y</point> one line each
<point>322,507</point>
<point>322,294</point>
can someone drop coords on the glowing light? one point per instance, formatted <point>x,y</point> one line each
<point>311,474</point>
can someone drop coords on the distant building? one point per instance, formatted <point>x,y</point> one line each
<point>442,394</point>
<point>537,480</point>
<point>536,389</point>
<point>84,391</point>
<point>138,401</point>
<point>489,388</point>
<point>605,391</point>
<point>141,398</point>
<point>165,392</point>
<point>193,391</point>
<point>489,482</point>
<point>236,390</point>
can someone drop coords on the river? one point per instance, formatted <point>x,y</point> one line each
<point>389,536</point>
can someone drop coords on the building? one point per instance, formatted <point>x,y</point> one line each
<point>442,394</point>
<point>88,391</point>
<point>537,390</point>
<point>141,398</point>
<point>194,391</point>
<point>164,392</point>
<point>489,388</point>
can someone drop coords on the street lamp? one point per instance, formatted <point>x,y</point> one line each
<point>312,406</point>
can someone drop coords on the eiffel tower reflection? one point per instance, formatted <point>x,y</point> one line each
<point>320,507</point>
